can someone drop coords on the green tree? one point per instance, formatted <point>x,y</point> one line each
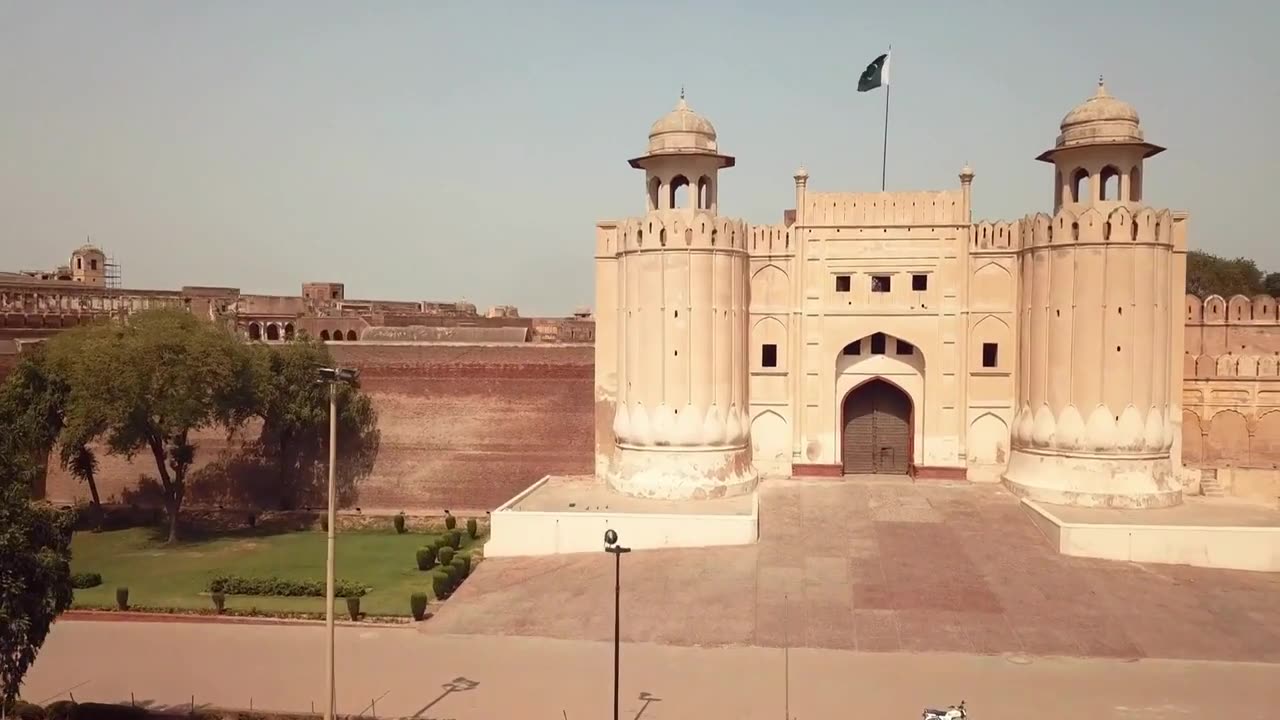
<point>1271,283</point>
<point>154,381</point>
<point>294,409</point>
<point>37,394</point>
<point>35,562</point>
<point>1208,274</point>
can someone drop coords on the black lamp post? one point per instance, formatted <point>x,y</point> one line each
<point>611,545</point>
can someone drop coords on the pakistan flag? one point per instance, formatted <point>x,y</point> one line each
<point>876,74</point>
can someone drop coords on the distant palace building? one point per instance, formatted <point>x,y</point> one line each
<point>36,304</point>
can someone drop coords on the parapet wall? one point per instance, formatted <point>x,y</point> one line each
<point>944,207</point>
<point>1231,388</point>
<point>1241,325</point>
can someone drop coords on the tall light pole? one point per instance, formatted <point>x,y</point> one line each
<point>332,377</point>
<point>611,546</point>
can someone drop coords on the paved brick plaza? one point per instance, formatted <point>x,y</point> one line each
<point>880,565</point>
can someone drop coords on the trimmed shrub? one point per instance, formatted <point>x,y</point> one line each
<point>398,521</point>
<point>353,608</point>
<point>452,575</point>
<point>278,587</point>
<point>440,585</point>
<point>80,581</point>
<point>418,605</point>
<point>60,710</point>
<point>219,601</point>
<point>460,564</point>
<point>455,539</point>
<point>450,522</point>
<point>444,555</point>
<point>473,528</point>
<point>466,563</point>
<point>122,598</point>
<point>426,557</point>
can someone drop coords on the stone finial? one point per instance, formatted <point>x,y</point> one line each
<point>801,174</point>
<point>966,174</point>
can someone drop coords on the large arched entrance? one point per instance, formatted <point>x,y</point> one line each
<point>876,429</point>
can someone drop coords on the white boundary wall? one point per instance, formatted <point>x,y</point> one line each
<point>1226,547</point>
<point>528,533</point>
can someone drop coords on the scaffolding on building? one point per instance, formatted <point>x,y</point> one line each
<point>113,275</point>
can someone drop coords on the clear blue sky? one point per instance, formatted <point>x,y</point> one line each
<point>441,149</point>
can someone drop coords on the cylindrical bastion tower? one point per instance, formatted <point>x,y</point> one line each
<point>681,423</point>
<point>1095,419</point>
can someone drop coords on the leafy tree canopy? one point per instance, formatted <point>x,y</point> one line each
<point>1208,274</point>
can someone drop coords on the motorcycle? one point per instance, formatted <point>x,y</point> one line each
<point>955,712</point>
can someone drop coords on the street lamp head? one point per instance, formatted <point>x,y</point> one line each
<point>347,376</point>
<point>610,537</point>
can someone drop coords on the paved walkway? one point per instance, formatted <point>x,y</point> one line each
<point>405,673</point>
<point>883,566</point>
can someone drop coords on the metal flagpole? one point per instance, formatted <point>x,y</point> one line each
<point>884,156</point>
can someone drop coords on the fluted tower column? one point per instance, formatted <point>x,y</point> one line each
<point>1096,420</point>
<point>681,423</point>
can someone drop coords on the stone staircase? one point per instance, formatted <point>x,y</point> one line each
<point>1209,486</point>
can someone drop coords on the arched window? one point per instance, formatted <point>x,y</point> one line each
<point>351,336</point>
<point>288,331</point>
<point>255,331</point>
<point>273,332</point>
<point>79,263</point>
<point>1135,184</point>
<point>704,193</point>
<point>655,186</point>
<point>1110,181</point>
<point>679,196</point>
<point>662,237</point>
<point>1079,184</point>
<point>324,336</point>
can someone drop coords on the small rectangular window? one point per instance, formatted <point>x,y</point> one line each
<point>877,344</point>
<point>906,348</point>
<point>769,355</point>
<point>853,348</point>
<point>880,283</point>
<point>919,283</point>
<point>843,283</point>
<point>990,355</point>
<point>93,264</point>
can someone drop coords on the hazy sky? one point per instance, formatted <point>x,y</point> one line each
<point>444,150</point>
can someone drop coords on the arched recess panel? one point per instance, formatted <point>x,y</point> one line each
<point>768,332</point>
<point>1265,450</point>
<point>988,440</point>
<point>1228,440</point>
<point>992,287</point>
<point>1192,440</point>
<point>770,439</point>
<point>770,288</point>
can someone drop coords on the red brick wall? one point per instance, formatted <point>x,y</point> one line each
<point>463,427</point>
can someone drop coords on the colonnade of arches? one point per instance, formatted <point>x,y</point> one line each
<point>1108,184</point>
<point>272,332</point>
<point>679,192</point>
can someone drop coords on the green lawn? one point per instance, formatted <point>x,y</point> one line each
<point>176,577</point>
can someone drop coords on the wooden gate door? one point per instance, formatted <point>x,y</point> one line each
<point>877,430</point>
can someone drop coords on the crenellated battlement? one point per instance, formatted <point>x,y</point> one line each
<point>1091,227</point>
<point>768,239</point>
<point>1231,365</point>
<point>998,236</point>
<point>943,207</point>
<point>681,229</point>
<point>1239,310</point>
